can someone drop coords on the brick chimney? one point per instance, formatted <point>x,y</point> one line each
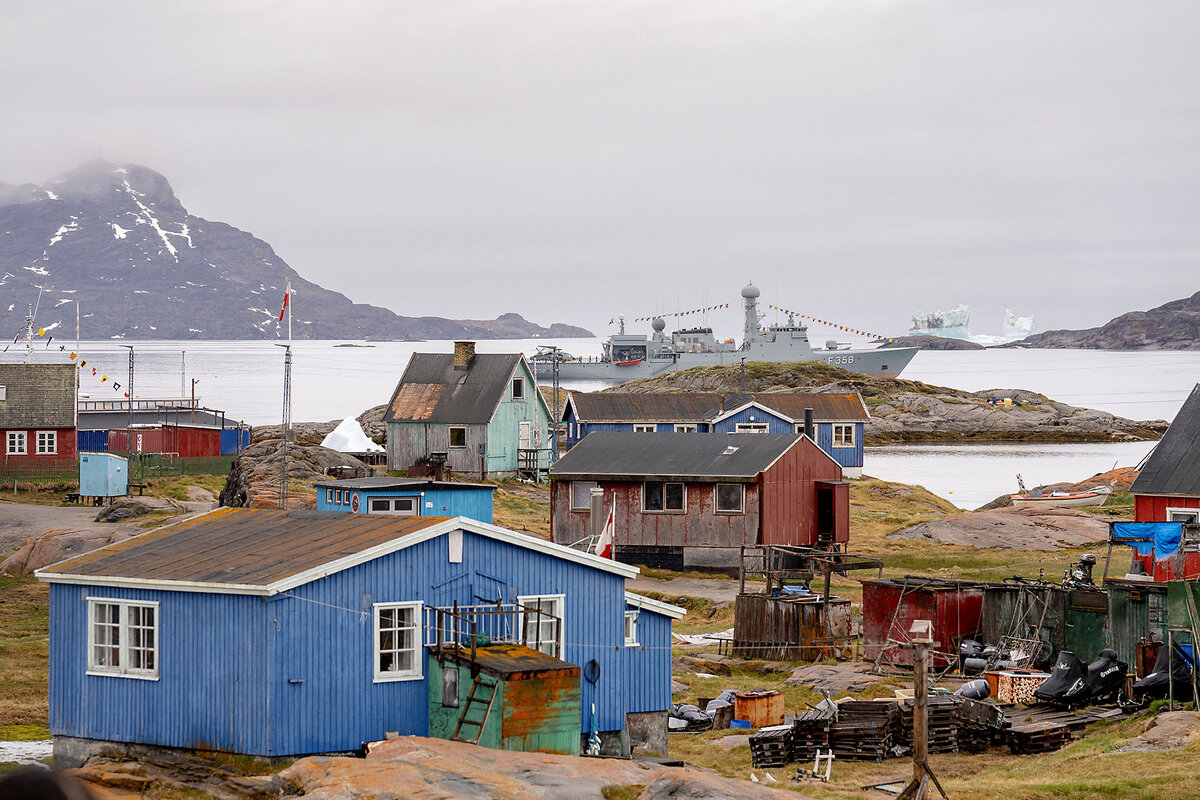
<point>464,354</point>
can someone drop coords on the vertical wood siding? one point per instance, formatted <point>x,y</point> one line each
<point>846,456</point>
<point>470,503</point>
<point>407,442</point>
<point>647,667</point>
<point>503,432</point>
<point>790,494</point>
<point>1147,508</point>
<point>212,688</point>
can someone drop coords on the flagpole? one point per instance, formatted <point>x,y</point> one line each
<point>289,307</point>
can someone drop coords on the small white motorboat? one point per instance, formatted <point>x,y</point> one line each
<point>1090,497</point>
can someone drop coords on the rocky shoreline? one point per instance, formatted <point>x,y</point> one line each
<point>912,411</point>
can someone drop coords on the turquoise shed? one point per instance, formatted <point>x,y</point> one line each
<point>406,497</point>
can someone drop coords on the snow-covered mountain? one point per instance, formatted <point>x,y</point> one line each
<point>115,238</point>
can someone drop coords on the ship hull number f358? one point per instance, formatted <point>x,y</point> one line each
<point>840,359</point>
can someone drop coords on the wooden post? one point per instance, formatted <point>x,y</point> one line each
<point>920,640</point>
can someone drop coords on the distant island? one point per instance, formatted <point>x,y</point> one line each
<point>1171,326</point>
<point>116,238</point>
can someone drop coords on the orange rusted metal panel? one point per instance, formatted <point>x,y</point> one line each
<point>416,400</point>
<point>760,709</point>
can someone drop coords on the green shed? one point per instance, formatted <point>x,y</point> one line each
<point>509,698</point>
<point>1137,612</point>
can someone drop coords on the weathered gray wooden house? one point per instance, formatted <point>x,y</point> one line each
<point>478,414</point>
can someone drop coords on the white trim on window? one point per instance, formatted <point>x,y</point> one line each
<point>686,427</point>
<point>631,639</point>
<point>1193,513</point>
<point>518,388</point>
<point>403,625</point>
<point>329,497</point>
<point>17,443</point>
<point>741,504</point>
<point>751,427</point>
<point>843,434</point>
<point>645,428</point>
<point>585,487</point>
<point>450,437</point>
<point>47,443</point>
<point>553,604</point>
<point>664,509</point>
<point>136,638</point>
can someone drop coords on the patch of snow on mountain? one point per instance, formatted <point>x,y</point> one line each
<point>153,223</point>
<point>195,330</point>
<point>118,231</point>
<point>121,171</point>
<point>140,291</point>
<point>184,233</point>
<point>38,270</point>
<point>10,306</point>
<point>52,326</point>
<point>50,194</point>
<point>63,230</point>
<point>64,300</point>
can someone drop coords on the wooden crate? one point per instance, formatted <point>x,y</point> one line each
<point>1016,686</point>
<point>760,709</point>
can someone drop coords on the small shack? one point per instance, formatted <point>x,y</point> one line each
<point>1137,613</point>
<point>103,475</point>
<point>508,697</point>
<point>406,497</point>
<point>891,605</point>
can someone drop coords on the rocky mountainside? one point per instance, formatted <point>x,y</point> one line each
<point>912,411</point>
<point>1171,326</point>
<point>116,239</point>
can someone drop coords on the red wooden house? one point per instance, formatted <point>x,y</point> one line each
<point>1167,489</point>
<point>694,501</point>
<point>37,415</point>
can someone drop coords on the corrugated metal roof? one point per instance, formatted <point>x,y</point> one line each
<point>37,396</point>
<point>386,482</point>
<point>259,551</point>
<point>701,407</point>
<point>241,546</point>
<point>107,420</point>
<point>432,390</point>
<point>671,455</point>
<point>1174,466</point>
<point>503,659</point>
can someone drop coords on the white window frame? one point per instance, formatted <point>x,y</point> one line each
<point>588,505</point>
<point>328,496</point>
<point>393,504</point>
<point>741,509</point>
<point>20,437</point>
<point>664,509</point>
<point>518,395</point>
<point>1194,513</point>
<point>752,427</point>
<point>631,638</point>
<point>417,672</point>
<point>122,669</point>
<point>3,392</point>
<point>337,497</point>
<point>558,609</point>
<point>844,426</point>
<point>450,429</point>
<point>686,427</point>
<point>52,438</point>
<point>639,427</point>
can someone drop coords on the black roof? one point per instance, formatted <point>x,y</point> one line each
<point>37,395</point>
<point>108,420</point>
<point>610,406</point>
<point>1173,468</point>
<point>608,454</point>
<point>432,389</point>
<point>385,482</point>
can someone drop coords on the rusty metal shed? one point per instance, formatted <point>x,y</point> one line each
<point>1137,612</point>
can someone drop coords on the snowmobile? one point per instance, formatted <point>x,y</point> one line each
<point>1157,682</point>
<point>1072,685</point>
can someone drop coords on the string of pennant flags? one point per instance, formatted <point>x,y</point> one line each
<point>687,313</point>
<point>826,323</point>
<point>81,364</point>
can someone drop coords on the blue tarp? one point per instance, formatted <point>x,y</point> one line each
<point>1161,538</point>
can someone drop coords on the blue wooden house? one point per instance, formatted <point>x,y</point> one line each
<point>278,633</point>
<point>406,497</point>
<point>475,414</point>
<point>839,418</point>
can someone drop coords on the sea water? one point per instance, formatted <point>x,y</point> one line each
<point>331,382</point>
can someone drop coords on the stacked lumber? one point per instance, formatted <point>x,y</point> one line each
<point>943,723</point>
<point>810,732</point>
<point>864,730</point>
<point>772,746</point>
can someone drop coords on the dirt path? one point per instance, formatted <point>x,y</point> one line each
<point>719,590</point>
<point>20,522</point>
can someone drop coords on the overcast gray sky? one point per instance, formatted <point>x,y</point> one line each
<point>572,160</point>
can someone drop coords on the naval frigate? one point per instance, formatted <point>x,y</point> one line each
<point>630,356</point>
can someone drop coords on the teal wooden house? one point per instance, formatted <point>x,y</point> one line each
<point>478,415</point>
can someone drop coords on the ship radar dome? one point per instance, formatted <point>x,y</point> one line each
<point>659,324</point>
<point>750,290</point>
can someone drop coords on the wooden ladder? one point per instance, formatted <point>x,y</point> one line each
<point>485,688</point>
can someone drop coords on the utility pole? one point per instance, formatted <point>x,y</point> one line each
<point>920,640</point>
<point>286,427</point>
<point>183,373</point>
<point>129,402</point>
<point>553,352</point>
<point>194,382</point>
<point>78,378</point>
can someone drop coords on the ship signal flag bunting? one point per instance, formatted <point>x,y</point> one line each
<point>845,328</point>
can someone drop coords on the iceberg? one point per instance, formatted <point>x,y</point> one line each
<point>348,437</point>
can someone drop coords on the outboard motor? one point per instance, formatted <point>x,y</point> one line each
<point>1105,676</point>
<point>1066,685</point>
<point>978,689</point>
<point>970,656</point>
<point>1168,668</point>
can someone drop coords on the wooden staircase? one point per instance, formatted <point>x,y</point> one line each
<point>481,695</point>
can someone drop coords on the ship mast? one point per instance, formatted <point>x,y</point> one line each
<point>750,294</point>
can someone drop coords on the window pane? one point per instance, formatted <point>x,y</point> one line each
<point>652,496</point>
<point>729,497</point>
<point>458,437</point>
<point>581,493</point>
<point>674,497</point>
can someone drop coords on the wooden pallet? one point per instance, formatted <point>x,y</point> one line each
<point>772,747</point>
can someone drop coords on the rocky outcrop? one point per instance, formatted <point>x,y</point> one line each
<point>117,235</point>
<point>417,768</point>
<point>1170,730</point>
<point>933,343</point>
<point>371,421</point>
<point>126,508</point>
<point>1015,527</point>
<point>254,477</point>
<point>836,679</point>
<point>912,411</point>
<point>1171,326</point>
<point>1119,479</point>
<point>58,545</point>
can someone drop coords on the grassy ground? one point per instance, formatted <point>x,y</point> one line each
<point>176,488</point>
<point>24,648</point>
<point>514,507</point>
